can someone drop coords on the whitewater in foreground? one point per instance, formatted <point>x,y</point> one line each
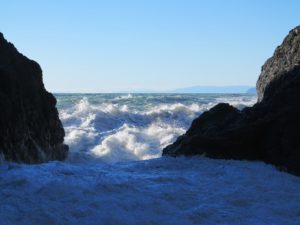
<point>114,173</point>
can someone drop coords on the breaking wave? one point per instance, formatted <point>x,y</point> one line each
<point>112,127</point>
<point>89,189</point>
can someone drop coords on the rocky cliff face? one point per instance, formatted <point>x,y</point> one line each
<point>30,130</point>
<point>268,131</point>
<point>285,57</point>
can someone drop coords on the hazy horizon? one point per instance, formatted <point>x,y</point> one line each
<point>121,46</point>
<point>198,89</point>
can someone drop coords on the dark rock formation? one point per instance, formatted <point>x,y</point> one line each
<point>268,131</point>
<point>30,130</point>
<point>285,57</point>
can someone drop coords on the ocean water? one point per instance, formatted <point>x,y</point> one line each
<point>129,127</point>
<point>114,173</point>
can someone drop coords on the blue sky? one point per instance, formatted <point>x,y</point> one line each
<point>111,46</point>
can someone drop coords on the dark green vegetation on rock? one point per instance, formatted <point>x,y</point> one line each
<point>30,130</point>
<point>268,131</point>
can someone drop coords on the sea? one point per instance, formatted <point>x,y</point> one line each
<point>114,173</point>
<point>130,127</point>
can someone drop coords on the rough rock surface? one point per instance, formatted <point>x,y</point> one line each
<point>268,131</point>
<point>30,130</point>
<point>285,57</point>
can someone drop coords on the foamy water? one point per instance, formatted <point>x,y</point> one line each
<point>115,176</point>
<point>127,127</point>
<point>173,191</point>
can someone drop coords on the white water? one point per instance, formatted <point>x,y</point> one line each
<point>113,174</point>
<point>158,191</point>
<point>116,128</point>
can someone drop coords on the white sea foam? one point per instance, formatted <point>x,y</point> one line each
<point>158,191</point>
<point>132,143</point>
<point>92,187</point>
<point>119,128</point>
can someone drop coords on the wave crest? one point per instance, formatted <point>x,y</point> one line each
<point>121,128</point>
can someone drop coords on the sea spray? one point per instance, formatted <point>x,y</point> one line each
<point>92,188</point>
<point>126,127</point>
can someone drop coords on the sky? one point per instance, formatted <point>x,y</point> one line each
<point>159,45</point>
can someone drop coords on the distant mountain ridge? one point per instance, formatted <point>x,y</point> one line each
<point>216,89</point>
<point>251,91</point>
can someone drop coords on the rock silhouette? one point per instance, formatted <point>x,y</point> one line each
<point>30,130</point>
<point>268,131</point>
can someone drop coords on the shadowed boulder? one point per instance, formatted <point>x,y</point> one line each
<point>268,131</point>
<point>285,58</point>
<point>30,130</point>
